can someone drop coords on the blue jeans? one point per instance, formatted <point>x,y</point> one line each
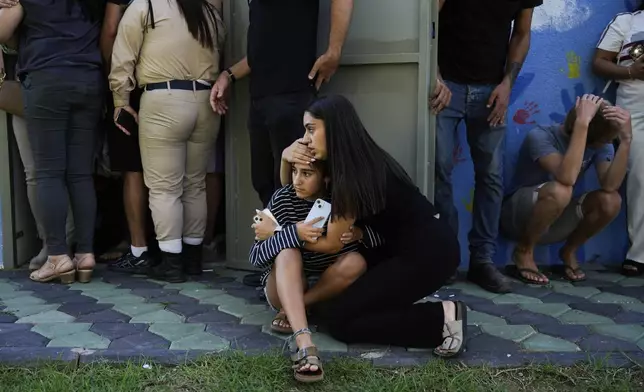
<point>469,104</point>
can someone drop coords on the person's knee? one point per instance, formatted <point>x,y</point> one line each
<point>289,256</point>
<point>557,194</point>
<point>349,267</point>
<point>608,203</point>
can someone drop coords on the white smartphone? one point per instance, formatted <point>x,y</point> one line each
<point>266,212</point>
<point>320,209</point>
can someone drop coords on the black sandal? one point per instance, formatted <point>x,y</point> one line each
<point>517,273</point>
<point>306,356</point>
<point>636,270</point>
<point>574,271</point>
<point>454,334</point>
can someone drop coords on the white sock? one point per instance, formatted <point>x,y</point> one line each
<point>193,241</point>
<point>137,251</point>
<point>170,246</point>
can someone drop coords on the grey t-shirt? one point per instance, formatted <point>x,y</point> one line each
<point>542,141</point>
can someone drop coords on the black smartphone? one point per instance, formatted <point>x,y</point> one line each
<point>127,121</point>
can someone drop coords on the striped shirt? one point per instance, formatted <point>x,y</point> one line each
<point>288,209</point>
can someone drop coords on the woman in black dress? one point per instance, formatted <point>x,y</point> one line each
<point>370,187</point>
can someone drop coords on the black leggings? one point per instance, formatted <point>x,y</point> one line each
<point>63,115</point>
<point>379,307</point>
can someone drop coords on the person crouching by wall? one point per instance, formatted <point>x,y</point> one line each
<point>174,49</point>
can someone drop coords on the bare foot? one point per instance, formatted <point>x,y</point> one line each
<point>571,270</point>
<point>524,260</point>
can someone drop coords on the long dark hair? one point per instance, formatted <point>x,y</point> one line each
<point>199,16</point>
<point>91,9</point>
<point>358,167</point>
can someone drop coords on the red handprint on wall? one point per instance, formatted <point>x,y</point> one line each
<point>523,116</point>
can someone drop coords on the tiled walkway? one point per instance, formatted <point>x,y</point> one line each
<point>119,317</point>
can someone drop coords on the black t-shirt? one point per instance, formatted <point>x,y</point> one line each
<point>282,45</point>
<point>474,38</point>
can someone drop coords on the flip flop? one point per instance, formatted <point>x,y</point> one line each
<point>575,271</point>
<point>517,273</point>
<point>637,270</point>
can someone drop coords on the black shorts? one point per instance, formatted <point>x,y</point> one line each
<point>123,150</point>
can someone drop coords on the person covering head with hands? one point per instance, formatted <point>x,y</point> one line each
<point>542,207</point>
<point>619,57</point>
<point>482,45</point>
<point>285,75</point>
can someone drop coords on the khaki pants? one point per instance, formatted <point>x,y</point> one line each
<point>635,190</point>
<point>177,131</point>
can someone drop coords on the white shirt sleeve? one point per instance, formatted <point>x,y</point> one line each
<point>612,38</point>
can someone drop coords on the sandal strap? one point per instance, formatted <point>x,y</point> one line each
<point>300,332</point>
<point>306,354</point>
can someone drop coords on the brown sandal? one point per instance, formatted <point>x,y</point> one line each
<point>63,270</point>
<point>276,324</point>
<point>307,356</point>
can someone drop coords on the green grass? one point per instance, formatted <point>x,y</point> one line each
<point>272,373</point>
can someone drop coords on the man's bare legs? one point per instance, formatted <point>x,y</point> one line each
<point>600,208</point>
<point>552,199</point>
<point>135,200</point>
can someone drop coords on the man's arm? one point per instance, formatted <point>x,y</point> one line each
<point>519,45</point>
<point>10,18</point>
<point>566,168</point>
<point>113,15</point>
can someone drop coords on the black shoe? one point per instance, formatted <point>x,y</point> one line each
<point>170,269</point>
<point>130,264</point>
<point>489,278</point>
<point>192,256</point>
<point>452,279</point>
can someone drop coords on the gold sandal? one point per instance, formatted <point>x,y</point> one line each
<point>454,334</point>
<point>63,270</point>
<point>306,356</point>
<point>84,267</point>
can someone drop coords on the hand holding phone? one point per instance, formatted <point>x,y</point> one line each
<point>320,209</point>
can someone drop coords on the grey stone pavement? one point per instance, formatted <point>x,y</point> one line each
<point>120,317</point>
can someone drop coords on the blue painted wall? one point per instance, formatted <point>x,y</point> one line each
<point>565,33</point>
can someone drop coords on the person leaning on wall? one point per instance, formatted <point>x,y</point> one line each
<point>620,56</point>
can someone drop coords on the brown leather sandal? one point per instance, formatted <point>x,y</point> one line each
<point>63,269</point>
<point>278,321</point>
<point>84,264</point>
<point>307,356</point>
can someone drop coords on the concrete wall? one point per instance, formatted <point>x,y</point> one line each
<point>565,33</point>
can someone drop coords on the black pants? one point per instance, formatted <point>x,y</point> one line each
<point>275,122</point>
<point>63,114</point>
<point>379,308</point>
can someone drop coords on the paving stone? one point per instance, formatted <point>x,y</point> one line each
<point>583,292</point>
<point>572,333</point>
<point>122,299</point>
<point>173,299</point>
<point>85,339</point>
<point>202,294</point>
<point>161,357</point>
<point>22,339</point>
<point>190,310</point>
<point>282,336</point>
<point>633,292</point>
<point>478,318</point>
<point>632,282</point>
<point>11,328</point>
<point>261,318</point>
<point>607,310</point>
<point>19,302</point>
<point>472,289</point>
<point>7,318</point>
<point>242,311</point>
<point>115,331</point>
<point>104,294</point>
<point>174,332</point>
<point>139,284</point>
<point>133,310</point>
<point>470,299</point>
<point>247,293</point>
<point>56,330</point>
<point>14,294</point>
<point>52,294</point>
<point>529,318</point>
<point>218,280</point>
<point>515,333</point>
<point>186,286</point>
<point>548,309</point>
<point>530,291</point>
<point>200,341</point>
<point>629,318</point>
<point>231,285</point>
<point>512,298</point>
<point>223,299</point>
<point>29,310</point>
<point>257,342</point>
<point>599,284</point>
<point>94,285</point>
<point>559,298</point>
<point>541,342</point>
<point>583,318</point>
<point>159,316</point>
<point>630,333</point>
<point>105,316</point>
<point>495,310</point>
<point>605,276</point>
<point>634,307</point>
<point>485,342</point>
<point>141,341</point>
<point>602,343</point>
<point>559,284</point>
<point>71,298</point>
<point>230,273</point>
<point>152,293</point>
<point>77,310</point>
<point>231,331</point>
<point>326,343</point>
<point>610,298</point>
<point>51,316</point>
<point>214,316</point>
<point>640,344</point>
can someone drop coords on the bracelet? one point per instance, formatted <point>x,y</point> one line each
<point>231,76</point>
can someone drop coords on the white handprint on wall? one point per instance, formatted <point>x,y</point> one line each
<point>561,15</point>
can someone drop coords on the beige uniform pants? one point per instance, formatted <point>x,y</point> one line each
<point>635,190</point>
<point>177,131</point>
